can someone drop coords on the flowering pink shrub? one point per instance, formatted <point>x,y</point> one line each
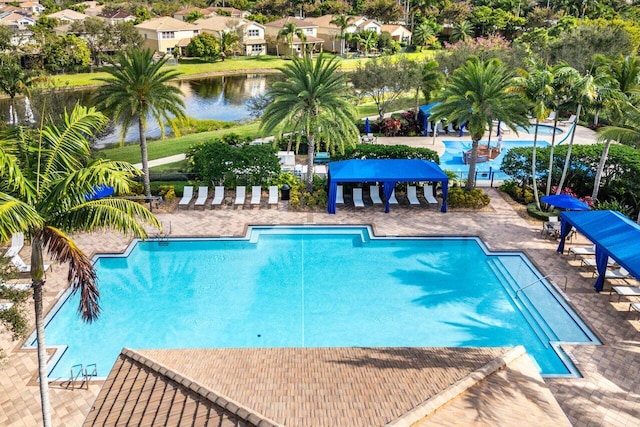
<point>569,192</point>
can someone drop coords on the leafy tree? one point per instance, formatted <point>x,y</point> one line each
<point>204,46</point>
<point>6,34</point>
<point>14,80</point>
<point>342,22</point>
<point>290,30</point>
<point>455,12</point>
<point>478,93</point>
<point>142,14</point>
<point>383,79</point>
<point>455,55</point>
<point>384,11</point>
<point>312,101</point>
<point>42,193</point>
<point>236,163</point>
<point>432,79</point>
<point>65,53</point>
<point>193,16</point>
<point>138,87</point>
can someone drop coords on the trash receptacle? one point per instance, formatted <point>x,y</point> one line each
<point>285,192</point>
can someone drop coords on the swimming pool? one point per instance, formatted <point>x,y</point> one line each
<point>315,287</point>
<point>542,129</point>
<point>451,160</point>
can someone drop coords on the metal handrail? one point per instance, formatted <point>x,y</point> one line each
<point>564,276</point>
<point>73,377</point>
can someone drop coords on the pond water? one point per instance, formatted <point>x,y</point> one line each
<point>219,98</point>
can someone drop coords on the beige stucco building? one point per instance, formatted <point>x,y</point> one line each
<point>311,43</point>
<point>251,35</point>
<point>166,34</point>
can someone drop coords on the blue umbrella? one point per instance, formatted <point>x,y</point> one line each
<point>367,126</point>
<point>564,201</point>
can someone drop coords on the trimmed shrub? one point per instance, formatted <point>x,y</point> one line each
<point>458,197</point>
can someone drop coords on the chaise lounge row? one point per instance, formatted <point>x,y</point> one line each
<point>219,196</point>
<point>374,194</point>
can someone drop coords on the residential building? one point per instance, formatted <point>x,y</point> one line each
<point>398,33</point>
<point>16,21</point>
<point>311,43</point>
<point>181,14</point>
<point>166,34</point>
<point>117,16</point>
<point>330,33</point>
<point>231,12</point>
<point>31,7</point>
<point>93,8</point>
<point>68,16</point>
<point>251,35</point>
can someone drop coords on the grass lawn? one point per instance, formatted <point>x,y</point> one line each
<point>195,67</point>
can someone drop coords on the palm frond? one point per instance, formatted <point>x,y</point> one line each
<point>82,275</point>
<point>16,216</point>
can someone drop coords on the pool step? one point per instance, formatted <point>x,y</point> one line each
<point>526,306</point>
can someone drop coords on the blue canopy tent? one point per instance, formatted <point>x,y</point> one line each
<point>423,116</point>
<point>614,235</point>
<point>387,171</point>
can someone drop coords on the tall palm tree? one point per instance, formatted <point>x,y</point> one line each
<point>584,91</point>
<point>139,87</point>
<point>342,22</point>
<point>478,93</point>
<point>534,84</point>
<point>312,99</point>
<point>290,30</point>
<point>43,188</point>
<point>461,31</point>
<point>424,35</point>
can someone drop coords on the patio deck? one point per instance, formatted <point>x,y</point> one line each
<point>609,393</point>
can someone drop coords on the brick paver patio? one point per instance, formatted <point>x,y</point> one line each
<point>609,393</point>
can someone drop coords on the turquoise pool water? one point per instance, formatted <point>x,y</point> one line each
<point>542,130</point>
<point>315,287</point>
<point>451,160</point>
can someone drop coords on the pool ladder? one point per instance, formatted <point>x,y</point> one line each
<point>84,372</point>
<point>564,276</point>
<point>163,238</point>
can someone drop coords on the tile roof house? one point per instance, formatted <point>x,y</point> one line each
<point>330,33</point>
<point>34,8</point>
<point>16,21</point>
<point>251,35</point>
<point>166,34</point>
<point>398,33</point>
<point>350,387</point>
<point>68,15</point>
<point>116,16</point>
<point>311,43</point>
<point>232,12</point>
<point>184,12</point>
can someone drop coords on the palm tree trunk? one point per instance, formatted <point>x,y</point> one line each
<point>600,170</point>
<point>553,142</point>
<point>37,275</point>
<point>471,181</point>
<point>144,156</point>
<point>311,150</point>
<point>565,168</point>
<point>14,112</point>
<point>536,196</point>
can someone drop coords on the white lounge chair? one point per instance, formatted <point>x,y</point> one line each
<point>635,306</point>
<point>218,195</point>
<point>392,199</point>
<point>620,273</point>
<point>256,194</point>
<point>551,118</point>
<point>582,251</point>
<point>571,120</point>
<point>374,193</point>
<point>16,286</point>
<point>22,267</point>
<point>187,195</point>
<point>591,262</point>
<point>241,195</point>
<point>357,198</point>
<point>428,195</point>
<point>340,195</point>
<point>273,195</point>
<point>412,195</point>
<point>17,242</point>
<point>203,193</point>
<point>5,305</point>
<point>625,291</point>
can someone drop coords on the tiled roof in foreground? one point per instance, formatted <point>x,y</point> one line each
<point>325,387</point>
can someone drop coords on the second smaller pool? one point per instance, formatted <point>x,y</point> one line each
<point>542,129</point>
